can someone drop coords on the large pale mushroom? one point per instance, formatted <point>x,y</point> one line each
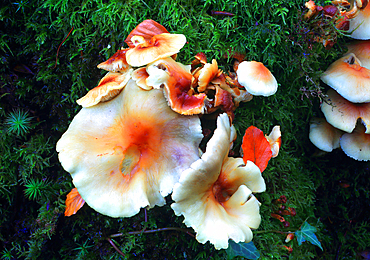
<point>215,193</point>
<point>362,51</point>
<point>323,135</point>
<point>128,153</point>
<point>256,78</point>
<point>343,114</point>
<point>356,144</point>
<point>349,79</point>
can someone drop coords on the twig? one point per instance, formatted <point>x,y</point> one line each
<point>185,230</point>
<point>115,247</point>
<point>56,58</point>
<point>273,231</point>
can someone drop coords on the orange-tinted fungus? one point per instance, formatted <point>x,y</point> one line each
<point>224,100</point>
<point>146,29</point>
<point>222,189</point>
<point>141,143</point>
<point>262,72</point>
<point>119,55</point>
<point>177,89</point>
<point>116,63</point>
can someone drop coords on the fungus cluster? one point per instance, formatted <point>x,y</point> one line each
<point>352,16</point>
<point>347,108</point>
<point>137,138</point>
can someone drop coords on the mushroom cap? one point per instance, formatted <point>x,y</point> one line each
<point>128,153</point>
<point>140,75</point>
<point>256,78</point>
<point>116,63</point>
<point>158,47</point>
<point>207,74</point>
<point>147,29</point>
<point>349,79</point>
<point>215,193</point>
<point>224,100</point>
<point>108,88</point>
<point>323,135</point>
<point>357,144</point>
<point>274,139</point>
<point>362,51</point>
<point>361,22</point>
<point>343,114</point>
<point>176,79</point>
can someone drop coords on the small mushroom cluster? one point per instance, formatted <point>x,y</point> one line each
<point>352,16</point>
<point>137,138</point>
<point>347,108</point>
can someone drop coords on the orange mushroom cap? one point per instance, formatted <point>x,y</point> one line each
<point>323,135</point>
<point>116,63</point>
<point>176,79</point>
<point>343,114</point>
<point>349,79</point>
<point>215,193</point>
<point>108,88</point>
<point>128,153</point>
<point>207,74</point>
<point>158,47</point>
<point>356,144</point>
<point>147,29</point>
<point>256,78</point>
<point>362,51</point>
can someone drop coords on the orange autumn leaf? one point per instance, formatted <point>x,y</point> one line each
<point>256,148</point>
<point>73,202</point>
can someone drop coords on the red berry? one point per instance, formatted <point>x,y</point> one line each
<point>286,224</point>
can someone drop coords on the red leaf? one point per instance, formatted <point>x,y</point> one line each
<point>256,148</point>
<point>74,202</point>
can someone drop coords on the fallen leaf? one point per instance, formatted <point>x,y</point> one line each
<point>247,250</point>
<point>74,202</point>
<point>256,148</point>
<point>307,232</point>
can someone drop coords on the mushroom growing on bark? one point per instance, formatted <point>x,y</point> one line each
<point>129,152</point>
<point>215,193</point>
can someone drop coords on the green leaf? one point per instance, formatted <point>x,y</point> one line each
<point>307,232</point>
<point>247,250</point>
